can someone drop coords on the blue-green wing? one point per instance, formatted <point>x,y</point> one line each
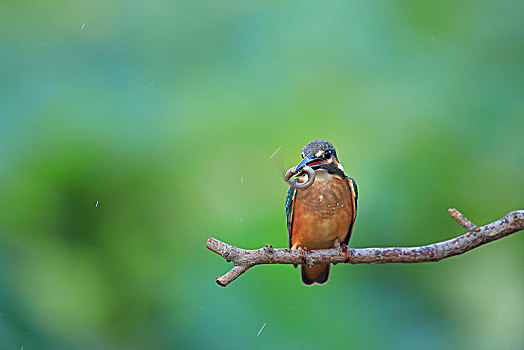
<point>352,186</point>
<point>289,210</point>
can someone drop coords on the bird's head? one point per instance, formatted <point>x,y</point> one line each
<point>317,153</point>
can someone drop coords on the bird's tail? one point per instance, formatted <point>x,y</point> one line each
<point>315,274</point>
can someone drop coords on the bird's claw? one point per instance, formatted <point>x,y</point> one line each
<point>303,251</point>
<point>345,249</point>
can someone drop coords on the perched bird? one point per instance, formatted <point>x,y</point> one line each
<point>322,214</point>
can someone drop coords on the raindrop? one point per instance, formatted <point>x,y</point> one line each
<point>261,329</point>
<point>273,154</point>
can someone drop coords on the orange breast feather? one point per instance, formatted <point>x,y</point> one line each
<point>322,213</point>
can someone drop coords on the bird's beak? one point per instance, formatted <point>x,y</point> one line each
<point>307,160</point>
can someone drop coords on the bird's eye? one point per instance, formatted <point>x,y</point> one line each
<point>327,154</point>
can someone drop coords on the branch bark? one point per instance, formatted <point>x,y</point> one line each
<point>476,236</point>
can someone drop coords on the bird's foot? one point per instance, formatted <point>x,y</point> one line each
<point>336,245</point>
<point>345,249</point>
<point>303,251</point>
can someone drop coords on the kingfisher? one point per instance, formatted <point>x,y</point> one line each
<point>320,215</point>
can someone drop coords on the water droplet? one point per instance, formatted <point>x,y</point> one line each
<point>272,155</point>
<point>261,329</point>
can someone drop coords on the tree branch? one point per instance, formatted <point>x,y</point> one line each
<point>476,236</point>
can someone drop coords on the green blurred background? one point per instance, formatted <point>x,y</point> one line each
<point>166,113</point>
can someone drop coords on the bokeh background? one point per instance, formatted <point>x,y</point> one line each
<point>167,113</point>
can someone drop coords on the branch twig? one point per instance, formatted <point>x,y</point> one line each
<point>476,236</point>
